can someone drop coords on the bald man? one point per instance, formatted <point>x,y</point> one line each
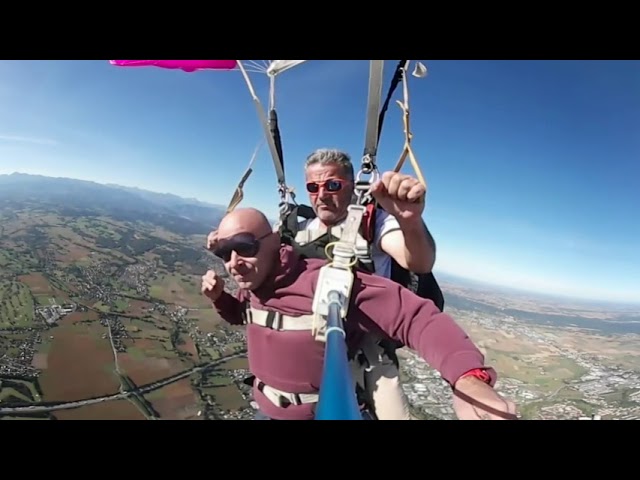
<point>278,287</point>
<point>245,230</point>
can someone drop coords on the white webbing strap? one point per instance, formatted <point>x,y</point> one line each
<point>304,237</point>
<point>376,70</point>
<point>282,399</point>
<point>278,321</point>
<point>345,249</point>
<point>361,248</point>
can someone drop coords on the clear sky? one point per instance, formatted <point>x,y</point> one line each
<point>533,166</point>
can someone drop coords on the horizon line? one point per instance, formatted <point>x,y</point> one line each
<point>471,279</point>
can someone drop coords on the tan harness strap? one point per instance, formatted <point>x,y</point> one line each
<point>239,192</point>
<point>282,399</point>
<point>307,236</point>
<point>277,321</point>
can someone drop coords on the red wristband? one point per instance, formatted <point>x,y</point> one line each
<point>480,374</point>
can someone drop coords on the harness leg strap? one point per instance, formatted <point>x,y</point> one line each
<point>283,399</point>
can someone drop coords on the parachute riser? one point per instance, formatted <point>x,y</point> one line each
<point>272,92</point>
<point>362,185</point>
<point>283,189</point>
<point>368,162</point>
<point>239,193</point>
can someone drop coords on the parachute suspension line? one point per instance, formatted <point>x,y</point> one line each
<point>272,92</point>
<point>368,164</point>
<point>257,67</point>
<point>283,190</point>
<point>419,72</point>
<point>289,195</point>
<point>239,193</point>
<point>273,122</point>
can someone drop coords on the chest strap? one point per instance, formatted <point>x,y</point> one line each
<point>277,321</point>
<point>362,247</point>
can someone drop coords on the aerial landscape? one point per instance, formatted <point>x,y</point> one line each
<point>101,317</point>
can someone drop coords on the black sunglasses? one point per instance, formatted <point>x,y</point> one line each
<point>332,186</point>
<point>244,244</point>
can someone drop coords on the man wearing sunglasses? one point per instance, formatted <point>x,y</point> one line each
<point>399,232</point>
<point>275,302</point>
<point>399,242</point>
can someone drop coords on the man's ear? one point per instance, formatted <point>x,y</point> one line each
<point>274,239</point>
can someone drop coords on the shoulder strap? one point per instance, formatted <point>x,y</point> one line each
<point>289,224</point>
<point>311,243</point>
<point>428,288</point>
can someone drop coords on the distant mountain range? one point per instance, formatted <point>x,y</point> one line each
<point>82,197</point>
<point>177,214</point>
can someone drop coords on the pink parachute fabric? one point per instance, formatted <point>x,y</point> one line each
<point>185,65</point>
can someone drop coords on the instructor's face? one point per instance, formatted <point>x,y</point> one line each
<point>329,191</point>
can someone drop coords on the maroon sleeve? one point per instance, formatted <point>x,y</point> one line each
<point>417,323</point>
<point>230,308</point>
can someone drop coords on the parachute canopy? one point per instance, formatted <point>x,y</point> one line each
<point>270,67</point>
<point>186,65</point>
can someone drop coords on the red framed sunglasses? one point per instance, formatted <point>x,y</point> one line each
<point>333,185</point>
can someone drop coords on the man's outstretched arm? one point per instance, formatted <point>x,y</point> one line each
<point>417,323</point>
<point>437,338</point>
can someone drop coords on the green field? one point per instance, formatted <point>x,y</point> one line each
<point>46,300</point>
<point>16,305</point>
<point>15,261</point>
<point>222,389</point>
<point>5,260</point>
<point>47,257</point>
<point>179,289</point>
<point>543,374</point>
<point>14,390</point>
<point>210,381</point>
<point>621,397</point>
<point>13,395</point>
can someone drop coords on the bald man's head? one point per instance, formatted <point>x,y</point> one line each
<point>248,246</point>
<point>244,220</point>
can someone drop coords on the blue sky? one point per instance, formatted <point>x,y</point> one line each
<point>533,166</point>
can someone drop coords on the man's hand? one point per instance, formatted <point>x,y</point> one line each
<point>212,285</point>
<point>212,240</point>
<point>475,400</point>
<point>400,195</point>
